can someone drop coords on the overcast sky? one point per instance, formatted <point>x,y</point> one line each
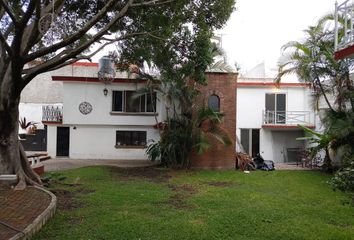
<point>259,28</point>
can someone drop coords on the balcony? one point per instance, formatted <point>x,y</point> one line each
<point>52,114</point>
<point>288,119</point>
<point>344,30</point>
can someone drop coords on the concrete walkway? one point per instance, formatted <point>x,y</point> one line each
<point>286,166</point>
<point>56,164</point>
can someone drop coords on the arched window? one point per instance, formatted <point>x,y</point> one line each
<point>214,103</point>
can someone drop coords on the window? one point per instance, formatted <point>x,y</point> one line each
<point>275,106</point>
<point>128,101</point>
<point>130,138</point>
<point>214,103</point>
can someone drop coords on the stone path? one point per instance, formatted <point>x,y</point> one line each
<point>24,212</point>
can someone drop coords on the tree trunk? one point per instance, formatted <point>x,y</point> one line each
<point>13,159</point>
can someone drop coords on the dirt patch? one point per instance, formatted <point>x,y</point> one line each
<point>220,184</point>
<point>84,191</point>
<point>76,220</point>
<point>186,188</point>
<point>182,192</point>
<point>66,201</point>
<point>178,201</point>
<point>151,174</point>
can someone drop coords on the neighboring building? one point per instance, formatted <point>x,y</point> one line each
<point>268,117</point>
<point>39,93</point>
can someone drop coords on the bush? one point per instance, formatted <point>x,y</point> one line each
<point>344,179</point>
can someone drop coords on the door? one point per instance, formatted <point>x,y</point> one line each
<point>63,141</point>
<point>275,106</point>
<point>250,141</point>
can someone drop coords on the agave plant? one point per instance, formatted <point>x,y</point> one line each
<point>24,124</point>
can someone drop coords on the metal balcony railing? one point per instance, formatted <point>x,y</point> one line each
<point>345,10</point>
<point>52,114</point>
<point>288,118</point>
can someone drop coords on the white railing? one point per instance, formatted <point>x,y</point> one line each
<point>52,113</point>
<point>288,118</point>
<point>345,10</point>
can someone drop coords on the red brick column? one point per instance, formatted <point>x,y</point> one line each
<point>219,156</point>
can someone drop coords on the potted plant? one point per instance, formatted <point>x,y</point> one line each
<point>23,125</point>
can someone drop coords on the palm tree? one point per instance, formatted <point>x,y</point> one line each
<point>312,60</point>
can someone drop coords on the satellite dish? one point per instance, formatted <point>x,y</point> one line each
<point>106,72</point>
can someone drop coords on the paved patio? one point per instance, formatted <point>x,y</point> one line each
<point>287,166</point>
<point>24,212</point>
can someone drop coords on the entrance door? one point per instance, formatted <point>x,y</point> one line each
<point>63,141</point>
<point>275,106</point>
<point>250,141</point>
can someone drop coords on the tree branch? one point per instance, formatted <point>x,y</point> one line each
<point>318,82</point>
<point>4,3</point>
<point>2,12</point>
<point>60,60</point>
<point>32,34</point>
<point>74,37</point>
<point>5,45</point>
<point>28,13</point>
<point>88,57</point>
<point>151,3</point>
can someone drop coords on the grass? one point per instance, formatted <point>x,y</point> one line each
<point>109,203</point>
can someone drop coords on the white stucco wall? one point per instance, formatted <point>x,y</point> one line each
<point>251,103</point>
<point>52,140</point>
<point>78,92</point>
<point>98,142</point>
<point>93,136</point>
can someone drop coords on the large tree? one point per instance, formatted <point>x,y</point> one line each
<point>174,35</point>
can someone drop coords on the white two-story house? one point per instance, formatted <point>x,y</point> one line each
<point>101,121</point>
<point>268,116</point>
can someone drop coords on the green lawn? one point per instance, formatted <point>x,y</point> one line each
<point>110,203</point>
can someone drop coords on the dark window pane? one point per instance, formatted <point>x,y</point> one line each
<point>131,138</point>
<point>245,140</point>
<point>117,101</point>
<point>132,103</point>
<point>214,103</point>
<point>135,138</point>
<point>281,102</point>
<point>281,108</point>
<point>120,138</point>
<point>151,103</point>
<point>255,142</point>
<point>142,138</point>
<point>142,103</point>
<point>127,138</point>
<point>270,108</point>
<point>270,102</point>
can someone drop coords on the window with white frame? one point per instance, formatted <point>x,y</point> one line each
<point>131,102</point>
<point>275,106</point>
<point>130,138</point>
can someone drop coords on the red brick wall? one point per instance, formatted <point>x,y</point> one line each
<point>219,156</point>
